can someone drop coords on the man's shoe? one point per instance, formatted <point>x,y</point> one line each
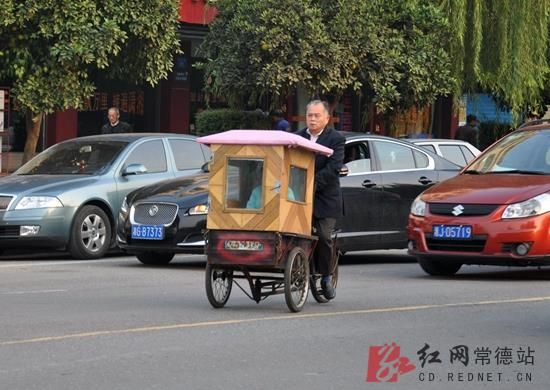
<point>328,291</point>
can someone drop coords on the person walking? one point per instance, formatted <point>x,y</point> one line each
<point>469,132</point>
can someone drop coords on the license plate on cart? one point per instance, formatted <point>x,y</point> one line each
<point>148,232</point>
<point>453,232</point>
<point>243,245</point>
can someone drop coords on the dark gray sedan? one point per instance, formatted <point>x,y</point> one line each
<point>68,196</point>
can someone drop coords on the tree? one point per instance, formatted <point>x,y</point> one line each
<point>500,46</point>
<point>52,51</point>
<point>389,51</point>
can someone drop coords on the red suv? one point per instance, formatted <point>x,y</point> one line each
<point>495,212</point>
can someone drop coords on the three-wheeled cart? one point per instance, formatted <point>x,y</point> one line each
<point>259,217</point>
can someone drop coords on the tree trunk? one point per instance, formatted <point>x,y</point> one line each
<point>33,124</point>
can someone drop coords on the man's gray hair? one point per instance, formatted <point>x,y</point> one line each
<point>115,109</point>
<point>316,102</point>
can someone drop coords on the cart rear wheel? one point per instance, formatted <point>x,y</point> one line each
<point>218,283</point>
<point>296,279</point>
<point>316,289</point>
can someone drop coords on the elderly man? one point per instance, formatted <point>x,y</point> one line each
<point>327,204</point>
<point>115,125</point>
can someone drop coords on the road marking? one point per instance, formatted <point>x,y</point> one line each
<point>158,328</point>
<point>32,292</point>
<point>43,264</point>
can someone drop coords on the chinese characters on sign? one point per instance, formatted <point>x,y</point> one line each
<point>458,363</point>
<point>132,102</point>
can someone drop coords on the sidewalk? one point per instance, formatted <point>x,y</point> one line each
<point>10,162</point>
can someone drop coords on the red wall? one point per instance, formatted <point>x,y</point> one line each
<point>60,126</point>
<point>195,12</point>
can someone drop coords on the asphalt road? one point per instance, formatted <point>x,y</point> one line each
<point>116,324</point>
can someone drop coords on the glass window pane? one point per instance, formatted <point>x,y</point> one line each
<point>453,153</point>
<point>431,148</point>
<point>297,184</point>
<point>151,154</point>
<point>421,159</point>
<point>467,152</point>
<point>187,154</point>
<point>244,180</point>
<point>394,156</point>
<point>357,158</point>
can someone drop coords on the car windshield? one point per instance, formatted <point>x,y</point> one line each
<point>74,157</point>
<point>523,152</point>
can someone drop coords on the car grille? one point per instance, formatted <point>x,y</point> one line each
<point>9,231</point>
<point>475,245</point>
<point>469,209</point>
<point>5,201</point>
<point>165,215</point>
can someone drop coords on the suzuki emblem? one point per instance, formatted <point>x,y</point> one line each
<point>153,210</point>
<point>457,210</point>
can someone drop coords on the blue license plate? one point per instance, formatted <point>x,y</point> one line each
<point>148,232</point>
<point>453,232</point>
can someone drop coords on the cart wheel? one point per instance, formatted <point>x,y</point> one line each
<point>296,279</point>
<point>218,283</point>
<point>316,289</point>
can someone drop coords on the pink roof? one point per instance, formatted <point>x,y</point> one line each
<point>263,137</point>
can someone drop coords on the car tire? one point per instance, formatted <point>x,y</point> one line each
<point>438,268</point>
<point>90,233</point>
<point>155,258</point>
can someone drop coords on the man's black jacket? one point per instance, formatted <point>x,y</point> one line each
<point>328,196</point>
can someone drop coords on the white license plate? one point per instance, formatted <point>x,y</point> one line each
<point>243,245</point>
<point>148,232</point>
<point>453,232</point>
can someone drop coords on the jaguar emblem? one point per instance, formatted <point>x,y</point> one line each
<point>153,210</point>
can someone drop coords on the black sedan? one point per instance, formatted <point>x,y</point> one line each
<point>384,176</point>
<point>159,220</point>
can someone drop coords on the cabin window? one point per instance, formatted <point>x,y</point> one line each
<point>297,184</point>
<point>244,183</point>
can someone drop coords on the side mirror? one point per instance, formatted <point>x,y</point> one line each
<point>343,171</point>
<point>134,169</point>
<point>206,167</point>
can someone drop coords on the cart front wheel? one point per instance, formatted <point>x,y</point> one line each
<point>296,279</point>
<point>218,283</point>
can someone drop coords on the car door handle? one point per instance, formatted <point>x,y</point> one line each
<point>424,180</point>
<point>368,184</point>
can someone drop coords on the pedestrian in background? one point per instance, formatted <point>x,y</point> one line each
<point>115,125</point>
<point>470,131</point>
<point>279,122</point>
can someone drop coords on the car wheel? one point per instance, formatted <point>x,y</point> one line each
<point>155,258</point>
<point>438,268</point>
<point>90,234</point>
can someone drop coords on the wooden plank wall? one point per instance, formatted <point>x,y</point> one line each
<point>278,214</point>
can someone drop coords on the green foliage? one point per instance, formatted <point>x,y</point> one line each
<point>217,120</point>
<point>52,50</point>
<point>500,46</point>
<point>390,51</point>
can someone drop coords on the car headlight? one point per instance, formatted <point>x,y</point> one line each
<point>535,206</point>
<point>38,202</point>
<point>198,210</point>
<point>124,206</point>
<point>418,207</point>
